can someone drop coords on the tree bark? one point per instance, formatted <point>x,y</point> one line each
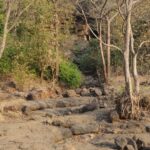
<point>102,55</point>
<point>128,82</point>
<point>135,75</point>
<point>5,32</point>
<point>108,51</point>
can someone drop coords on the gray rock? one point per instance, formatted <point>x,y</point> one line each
<point>88,107</point>
<point>79,129</point>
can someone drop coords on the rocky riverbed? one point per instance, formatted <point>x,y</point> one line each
<point>79,123</point>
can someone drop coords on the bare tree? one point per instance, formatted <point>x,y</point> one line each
<point>7,27</point>
<point>131,104</point>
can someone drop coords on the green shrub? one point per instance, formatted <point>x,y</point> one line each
<point>70,74</point>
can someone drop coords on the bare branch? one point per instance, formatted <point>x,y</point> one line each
<point>19,15</point>
<point>142,43</point>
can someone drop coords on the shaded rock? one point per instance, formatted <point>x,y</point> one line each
<point>88,107</point>
<point>140,144</point>
<point>147,129</point>
<point>57,123</point>
<point>114,116</point>
<point>145,102</point>
<point>129,147</point>
<point>121,142</point>
<point>84,128</point>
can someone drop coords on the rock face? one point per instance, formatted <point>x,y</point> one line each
<point>84,128</point>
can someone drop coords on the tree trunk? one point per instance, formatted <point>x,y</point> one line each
<point>128,82</point>
<point>135,74</point>
<point>5,32</point>
<point>108,50</point>
<point>102,55</point>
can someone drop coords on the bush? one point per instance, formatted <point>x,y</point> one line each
<point>22,76</point>
<point>70,74</point>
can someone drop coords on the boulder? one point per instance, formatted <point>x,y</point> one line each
<point>88,107</point>
<point>85,92</point>
<point>95,91</point>
<point>78,91</point>
<point>79,129</point>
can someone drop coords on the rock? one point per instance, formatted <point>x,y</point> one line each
<point>95,91</point>
<point>68,147</point>
<point>121,142</point>
<point>9,87</point>
<point>114,116</point>
<point>78,91</point>
<point>140,143</point>
<point>57,123</point>
<point>102,104</point>
<point>61,134</point>
<point>88,107</point>
<point>79,129</point>
<point>85,92</point>
<point>147,129</point>
<point>129,147</point>
<point>61,104</point>
<point>145,102</point>
<point>58,91</point>
<point>70,93</point>
<point>39,94</point>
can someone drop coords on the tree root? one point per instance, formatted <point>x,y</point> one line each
<point>128,108</point>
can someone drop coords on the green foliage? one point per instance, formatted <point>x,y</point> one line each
<point>88,58</point>
<point>70,74</point>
